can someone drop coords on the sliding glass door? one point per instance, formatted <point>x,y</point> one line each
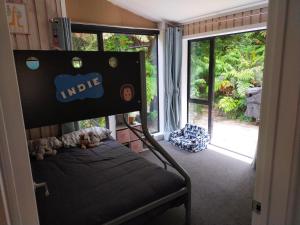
<point>224,88</point>
<point>237,92</point>
<point>200,91</point>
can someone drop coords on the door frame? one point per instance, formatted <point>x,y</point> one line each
<point>278,175</point>
<point>210,99</point>
<point>277,168</point>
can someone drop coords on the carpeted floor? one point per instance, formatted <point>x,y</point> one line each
<point>222,189</point>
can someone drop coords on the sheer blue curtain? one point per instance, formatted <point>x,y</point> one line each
<point>172,78</point>
<point>62,28</point>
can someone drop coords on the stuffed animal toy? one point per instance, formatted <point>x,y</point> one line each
<point>46,146</point>
<point>89,140</point>
<point>84,141</point>
<point>95,139</point>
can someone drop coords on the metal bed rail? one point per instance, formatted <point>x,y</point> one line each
<point>163,156</point>
<point>157,146</point>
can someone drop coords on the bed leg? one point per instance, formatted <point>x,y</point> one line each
<point>188,207</point>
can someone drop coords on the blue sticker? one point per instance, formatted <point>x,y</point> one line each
<point>70,88</point>
<point>32,63</point>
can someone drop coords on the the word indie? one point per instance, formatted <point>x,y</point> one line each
<point>70,88</point>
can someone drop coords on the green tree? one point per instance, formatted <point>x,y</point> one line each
<point>136,43</point>
<point>128,43</point>
<point>239,63</point>
<point>84,42</point>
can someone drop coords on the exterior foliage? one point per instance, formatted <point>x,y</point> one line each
<point>239,63</point>
<point>128,43</point>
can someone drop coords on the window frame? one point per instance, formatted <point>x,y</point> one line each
<point>210,100</point>
<point>100,29</point>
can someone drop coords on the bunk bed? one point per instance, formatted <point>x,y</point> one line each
<point>108,184</point>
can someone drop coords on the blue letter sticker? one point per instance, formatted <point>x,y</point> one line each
<point>70,88</point>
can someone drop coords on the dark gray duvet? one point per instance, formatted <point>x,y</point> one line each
<point>90,187</point>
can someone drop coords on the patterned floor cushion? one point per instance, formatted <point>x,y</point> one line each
<point>191,138</point>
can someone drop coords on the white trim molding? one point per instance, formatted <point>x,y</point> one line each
<point>184,83</point>
<point>161,72</point>
<point>278,143</point>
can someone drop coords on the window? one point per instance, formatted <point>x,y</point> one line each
<point>223,73</point>
<point>97,38</point>
<point>84,42</point>
<point>87,42</point>
<point>101,122</point>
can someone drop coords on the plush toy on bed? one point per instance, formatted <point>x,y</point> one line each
<point>45,146</point>
<point>89,140</point>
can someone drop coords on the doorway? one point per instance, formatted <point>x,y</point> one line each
<point>224,88</point>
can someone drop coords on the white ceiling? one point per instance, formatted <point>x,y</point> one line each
<point>182,11</point>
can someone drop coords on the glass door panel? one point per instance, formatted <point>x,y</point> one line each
<point>84,42</point>
<point>87,42</point>
<point>200,90</point>
<point>199,69</point>
<point>198,114</point>
<point>238,71</point>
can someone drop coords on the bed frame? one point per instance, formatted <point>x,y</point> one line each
<point>163,156</point>
<point>166,159</point>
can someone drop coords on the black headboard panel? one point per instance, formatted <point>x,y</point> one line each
<point>53,91</point>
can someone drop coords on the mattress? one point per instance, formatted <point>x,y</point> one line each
<point>89,187</point>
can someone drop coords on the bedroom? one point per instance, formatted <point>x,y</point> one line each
<point>20,208</point>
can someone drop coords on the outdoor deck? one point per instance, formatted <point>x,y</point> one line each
<point>234,135</point>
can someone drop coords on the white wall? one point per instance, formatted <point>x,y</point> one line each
<point>161,83</point>
<point>278,150</point>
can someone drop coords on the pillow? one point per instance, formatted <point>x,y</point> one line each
<point>72,139</point>
<point>33,145</point>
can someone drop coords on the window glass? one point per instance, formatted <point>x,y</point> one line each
<point>199,69</point>
<point>198,115</point>
<point>87,42</point>
<point>97,122</point>
<point>84,42</point>
<point>148,44</point>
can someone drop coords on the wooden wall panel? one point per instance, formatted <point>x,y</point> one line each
<point>43,23</point>
<point>208,25</point>
<point>247,18</point>
<point>33,38</point>
<point>238,20</point>
<point>39,12</point>
<point>222,22</point>
<point>216,23</point>
<point>191,28</point>
<point>264,14</point>
<point>255,16</point>
<point>197,27</point>
<point>185,30</point>
<point>229,21</point>
<point>202,27</point>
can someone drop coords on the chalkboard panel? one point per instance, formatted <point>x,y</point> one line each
<point>63,86</point>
